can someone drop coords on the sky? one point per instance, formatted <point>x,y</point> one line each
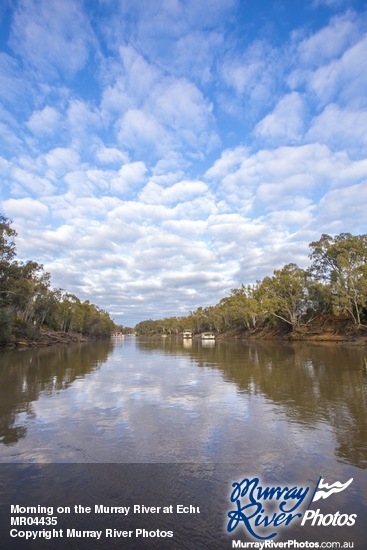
<point>155,154</point>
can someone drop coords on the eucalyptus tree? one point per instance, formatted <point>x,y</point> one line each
<point>27,299</point>
<point>341,262</point>
<point>286,295</point>
<point>240,309</point>
<point>7,254</point>
<point>7,244</point>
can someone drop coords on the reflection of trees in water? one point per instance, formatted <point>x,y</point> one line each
<point>26,373</point>
<point>312,383</point>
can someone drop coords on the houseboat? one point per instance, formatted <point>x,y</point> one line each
<point>187,334</point>
<point>208,336</point>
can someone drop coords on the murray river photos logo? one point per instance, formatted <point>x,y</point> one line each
<point>263,511</point>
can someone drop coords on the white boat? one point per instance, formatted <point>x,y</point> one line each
<point>187,334</point>
<point>208,336</point>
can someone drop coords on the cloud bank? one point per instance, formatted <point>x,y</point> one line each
<point>156,155</point>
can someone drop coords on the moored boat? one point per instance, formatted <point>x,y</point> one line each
<point>208,336</point>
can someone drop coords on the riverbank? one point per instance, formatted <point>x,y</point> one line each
<point>43,337</point>
<point>325,328</point>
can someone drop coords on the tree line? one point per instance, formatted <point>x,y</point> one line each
<point>27,300</point>
<point>335,283</point>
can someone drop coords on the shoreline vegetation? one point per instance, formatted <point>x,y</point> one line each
<point>326,302</point>
<point>327,328</point>
<point>330,329</point>
<point>32,312</point>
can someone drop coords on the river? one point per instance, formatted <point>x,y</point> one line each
<point>285,413</point>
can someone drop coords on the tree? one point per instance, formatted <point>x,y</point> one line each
<point>286,294</point>
<point>27,299</point>
<point>240,308</point>
<point>7,254</point>
<point>341,262</point>
<point>7,246</point>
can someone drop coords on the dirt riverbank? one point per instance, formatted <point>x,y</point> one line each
<point>326,328</point>
<point>44,337</point>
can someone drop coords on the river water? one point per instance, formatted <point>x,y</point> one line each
<point>287,414</point>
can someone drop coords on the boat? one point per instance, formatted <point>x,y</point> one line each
<point>187,334</point>
<point>208,336</point>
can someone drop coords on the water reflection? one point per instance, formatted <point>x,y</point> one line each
<point>27,373</point>
<point>170,400</point>
<point>311,383</point>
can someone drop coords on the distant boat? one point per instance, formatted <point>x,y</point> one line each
<point>187,334</point>
<point>117,335</point>
<point>208,336</point>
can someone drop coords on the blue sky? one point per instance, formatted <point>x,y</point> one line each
<point>155,154</point>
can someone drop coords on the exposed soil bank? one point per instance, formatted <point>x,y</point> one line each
<point>45,338</point>
<point>326,328</point>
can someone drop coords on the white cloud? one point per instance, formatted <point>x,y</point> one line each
<point>26,208</point>
<point>210,13</point>
<point>132,81</point>
<point>110,155</point>
<point>12,82</point>
<point>191,229</point>
<point>343,79</point>
<point>87,183</point>
<point>326,128</point>
<point>141,131</point>
<point>285,123</point>
<point>61,160</point>
<point>181,106</point>
<point>52,36</point>
<point>253,76</point>
<point>112,115</point>
<point>302,216</point>
<point>229,160</point>
<point>142,214</point>
<point>179,192</point>
<point>10,142</point>
<point>194,53</point>
<point>331,41</point>
<point>129,176</point>
<point>276,179</point>
<point>44,122</point>
<point>344,207</point>
<point>140,76</point>
<point>82,119</point>
<point>228,228</point>
<point>33,183</point>
<point>157,112</point>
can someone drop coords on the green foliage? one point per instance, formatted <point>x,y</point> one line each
<point>7,246</point>
<point>27,300</point>
<point>6,324</point>
<point>341,262</point>
<point>241,308</point>
<point>336,281</point>
<point>287,294</point>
